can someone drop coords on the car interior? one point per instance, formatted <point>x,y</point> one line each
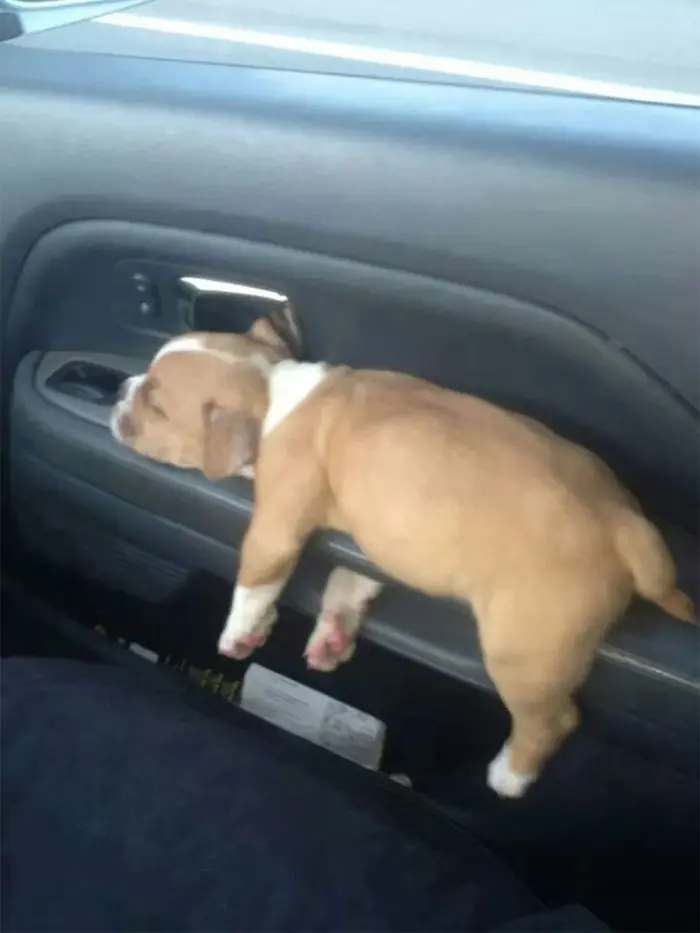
<point>537,249</point>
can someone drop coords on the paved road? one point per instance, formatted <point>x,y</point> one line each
<point>648,42</point>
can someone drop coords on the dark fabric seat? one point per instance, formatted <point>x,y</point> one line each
<point>125,810</point>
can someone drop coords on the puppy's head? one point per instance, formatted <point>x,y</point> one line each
<point>201,403</point>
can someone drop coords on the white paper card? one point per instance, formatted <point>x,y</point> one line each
<point>313,715</point>
<point>144,653</point>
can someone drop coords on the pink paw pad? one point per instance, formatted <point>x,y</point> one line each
<point>243,647</point>
<point>330,643</point>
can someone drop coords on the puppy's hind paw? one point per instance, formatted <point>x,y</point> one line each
<point>504,781</point>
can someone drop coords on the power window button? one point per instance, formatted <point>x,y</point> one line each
<point>145,295</point>
<point>148,307</point>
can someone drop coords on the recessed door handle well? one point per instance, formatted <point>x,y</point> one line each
<point>83,383</point>
<point>88,381</point>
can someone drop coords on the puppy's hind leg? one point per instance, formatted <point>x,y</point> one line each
<point>344,604</point>
<point>539,727</point>
<point>537,659</point>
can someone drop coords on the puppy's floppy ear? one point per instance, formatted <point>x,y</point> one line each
<point>230,440</point>
<point>280,330</point>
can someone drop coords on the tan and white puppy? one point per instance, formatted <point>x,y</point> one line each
<point>445,492</point>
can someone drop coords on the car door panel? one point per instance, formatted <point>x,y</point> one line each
<point>537,250</point>
<point>473,185</point>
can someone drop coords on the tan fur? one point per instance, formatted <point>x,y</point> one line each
<point>455,497</point>
<point>458,498</point>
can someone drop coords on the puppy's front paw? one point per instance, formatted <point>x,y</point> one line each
<point>331,642</point>
<point>242,647</point>
<point>504,781</point>
<point>237,644</point>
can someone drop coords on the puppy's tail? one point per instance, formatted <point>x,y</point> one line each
<point>643,551</point>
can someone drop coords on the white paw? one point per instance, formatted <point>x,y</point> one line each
<point>237,644</point>
<point>241,647</point>
<point>503,781</point>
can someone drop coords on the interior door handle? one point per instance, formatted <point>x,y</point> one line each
<point>220,305</point>
<point>195,287</point>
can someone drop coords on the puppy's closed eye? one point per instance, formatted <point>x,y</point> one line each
<point>157,410</point>
<point>147,390</point>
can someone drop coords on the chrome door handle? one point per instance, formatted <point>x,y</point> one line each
<point>210,305</point>
<point>197,286</point>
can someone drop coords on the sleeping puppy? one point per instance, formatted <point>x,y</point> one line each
<point>445,492</point>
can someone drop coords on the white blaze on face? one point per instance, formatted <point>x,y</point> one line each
<point>189,343</point>
<point>184,344</point>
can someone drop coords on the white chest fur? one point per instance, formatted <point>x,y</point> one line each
<point>290,383</point>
